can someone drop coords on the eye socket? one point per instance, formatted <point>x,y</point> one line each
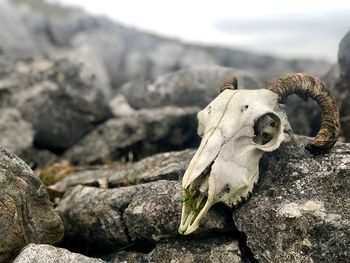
<point>266,128</point>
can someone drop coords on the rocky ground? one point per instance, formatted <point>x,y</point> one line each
<point>105,116</point>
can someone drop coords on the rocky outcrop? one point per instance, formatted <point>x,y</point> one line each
<point>107,219</point>
<point>299,211</point>
<point>141,134</point>
<point>56,96</point>
<point>26,214</point>
<point>50,254</point>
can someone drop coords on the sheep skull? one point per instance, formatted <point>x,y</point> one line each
<point>237,127</point>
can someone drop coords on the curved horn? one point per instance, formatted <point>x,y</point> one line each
<point>306,86</point>
<point>230,82</point>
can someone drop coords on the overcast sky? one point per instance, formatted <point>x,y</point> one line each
<point>298,28</point>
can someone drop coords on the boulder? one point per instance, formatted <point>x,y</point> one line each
<point>26,214</point>
<point>188,87</point>
<point>163,166</point>
<point>49,254</point>
<point>107,219</point>
<point>342,85</point>
<point>94,217</point>
<point>16,134</point>
<point>300,208</point>
<point>133,137</point>
<point>154,213</point>
<point>57,98</point>
<point>104,51</point>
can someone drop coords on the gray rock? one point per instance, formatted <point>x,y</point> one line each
<point>16,134</point>
<point>37,157</point>
<point>62,29</point>
<point>343,55</point>
<point>133,137</point>
<point>120,106</point>
<point>109,47</point>
<point>211,250</point>
<point>223,248</point>
<point>299,211</point>
<point>106,219</point>
<point>93,217</point>
<point>57,99</point>
<point>154,213</point>
<point>26,214</point>
<point>303,116</point>
<point>49,254</point>
<point>342,85</point>
<point>16,39</point>
<point>196,86</point>
<point>163,166</point>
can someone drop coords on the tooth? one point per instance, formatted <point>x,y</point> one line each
<point>204,186</point>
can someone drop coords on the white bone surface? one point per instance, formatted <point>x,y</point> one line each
<point>226,126</point>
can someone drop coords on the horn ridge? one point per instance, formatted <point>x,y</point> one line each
<point>230,82</point>
<point>306,86</point>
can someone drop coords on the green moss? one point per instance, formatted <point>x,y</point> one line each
<point>190,197</point>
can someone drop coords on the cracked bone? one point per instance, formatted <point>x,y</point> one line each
<point>237,127</point>
<point>225,167</point>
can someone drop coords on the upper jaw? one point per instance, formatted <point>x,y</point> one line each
<point>197,200</point>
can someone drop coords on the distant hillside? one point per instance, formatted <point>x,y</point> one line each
<point>116,53</point>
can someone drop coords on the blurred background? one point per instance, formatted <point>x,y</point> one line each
<point>93,82</point>
<point>290,29</point>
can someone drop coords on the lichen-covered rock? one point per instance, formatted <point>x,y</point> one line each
<point>93,216</point>
<point>49,254</point>
<point>26,214</point>
<point>146,132</point>
<point>154,213</point>
<point>300,209</point>
<point>163,166</point>
<point>57,97</point>
<point>188,87</point>
<point>106,219</point>
<point>16,134</point>
<point>208,250</point>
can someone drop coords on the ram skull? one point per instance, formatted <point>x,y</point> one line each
<point>237,127</point>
